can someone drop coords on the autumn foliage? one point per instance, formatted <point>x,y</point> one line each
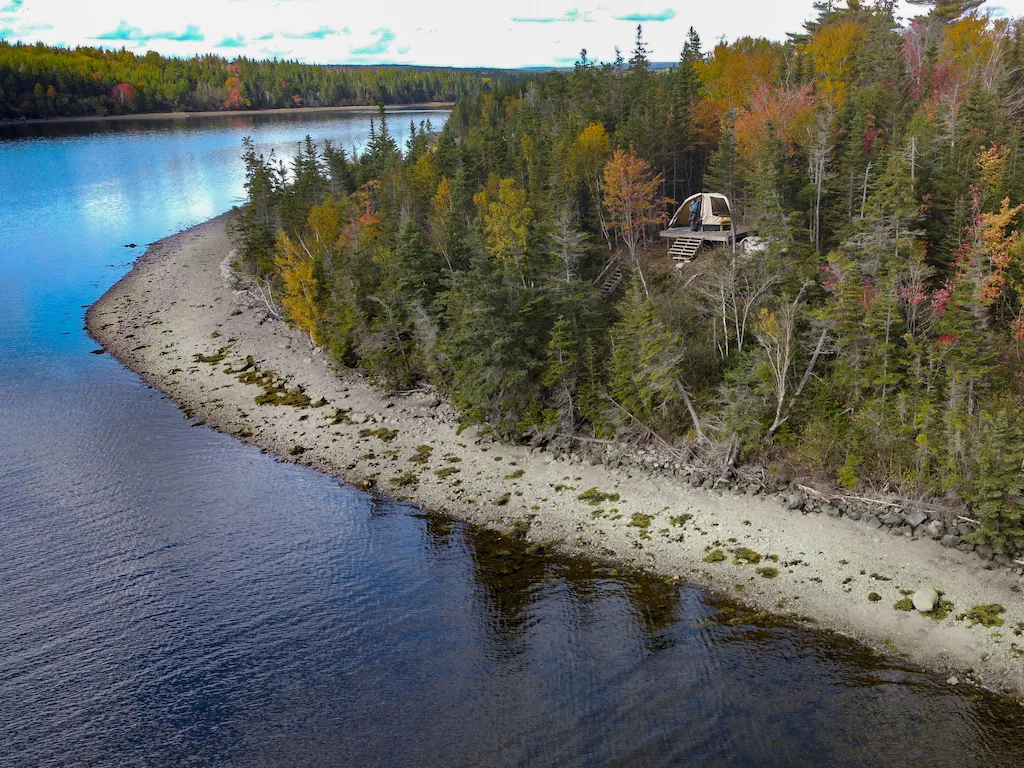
<point>299,285</point>
<point>122,92</point>
<point>873,337</point>
<point>631,197</point>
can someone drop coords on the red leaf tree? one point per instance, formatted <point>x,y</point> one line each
<point>123,92</point>
<point>234,89</point>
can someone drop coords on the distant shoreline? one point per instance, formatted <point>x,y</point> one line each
<point>226,113</point>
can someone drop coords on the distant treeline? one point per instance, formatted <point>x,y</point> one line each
<point>39,81</point>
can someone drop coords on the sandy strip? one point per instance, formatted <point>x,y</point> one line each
<point>176,304</point>
<point>229,113</point>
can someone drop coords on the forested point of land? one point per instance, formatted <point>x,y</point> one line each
<point>875,340</point>
<point>39,81</point>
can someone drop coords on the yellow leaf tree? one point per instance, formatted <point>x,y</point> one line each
<point>833,49</point>
<point>324,222</point>
<point>507,219</point>
<point>588,155</point>
<point>734,73</point>
<point>300,284</point>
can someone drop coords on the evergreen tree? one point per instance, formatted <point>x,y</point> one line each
<point>723,174</point>
<point>998,495</point>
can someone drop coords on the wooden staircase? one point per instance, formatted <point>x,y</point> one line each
<point>684,248</point>
<point>611,276</point>
<point>612,280</point>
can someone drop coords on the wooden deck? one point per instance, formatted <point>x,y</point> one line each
<point>684,243</point>
<point>741,231</point>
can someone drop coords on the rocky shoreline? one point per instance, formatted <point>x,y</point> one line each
<point>853,564</point>
<point>895,516</point>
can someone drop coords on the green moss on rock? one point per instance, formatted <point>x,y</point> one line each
<point>406,479</point>
<point>595,496</point>
<point>986,615</point>
<point>745,556</point>
<point>640,520</point>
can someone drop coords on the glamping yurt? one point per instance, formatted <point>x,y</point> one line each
<point>704,212</point>
<point>702,219</point>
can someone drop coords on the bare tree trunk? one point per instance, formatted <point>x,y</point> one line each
<point>864,197</point>
<point>810,366</point>
<point>701,437</point>
<point>777,340</point>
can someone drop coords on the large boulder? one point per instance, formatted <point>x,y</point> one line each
<point>892,518</point>
<point>925,600</point>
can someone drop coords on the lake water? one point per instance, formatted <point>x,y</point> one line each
<point>171,597</point>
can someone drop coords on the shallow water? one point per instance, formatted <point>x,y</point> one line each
<point>169,596</point>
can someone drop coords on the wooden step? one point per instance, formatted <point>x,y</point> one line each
<point>684,248</point>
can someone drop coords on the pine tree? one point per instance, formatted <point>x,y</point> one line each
<point>254,225</point>
<point>644,375</point>
<point>948,10</point>
<point>339,169</point>
<point>998,496</point>
<point>683,90</point>
<point>418,271</point>
<point>723,175</point>
<point>561,376</point>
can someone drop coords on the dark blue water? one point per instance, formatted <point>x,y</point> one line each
<point>171,597</point>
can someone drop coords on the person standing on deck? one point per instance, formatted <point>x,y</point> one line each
<point>695,214</point>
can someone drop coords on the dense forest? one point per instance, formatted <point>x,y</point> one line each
<point>39,81</point>
<point>874,339</point>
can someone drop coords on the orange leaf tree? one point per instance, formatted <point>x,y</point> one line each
<point>787,114</point>
<point>734,73</point>
<point>631,197</point>
<point>998,243</point>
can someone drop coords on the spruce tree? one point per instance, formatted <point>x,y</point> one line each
<point>998,496</point>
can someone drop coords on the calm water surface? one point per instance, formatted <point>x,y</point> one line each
<point>171,597</point>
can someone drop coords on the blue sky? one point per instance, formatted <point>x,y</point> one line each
<point>457,33</point>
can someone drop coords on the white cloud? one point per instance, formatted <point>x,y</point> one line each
<point>458,32</point>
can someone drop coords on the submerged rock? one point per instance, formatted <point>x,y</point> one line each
<point>925,600</point>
